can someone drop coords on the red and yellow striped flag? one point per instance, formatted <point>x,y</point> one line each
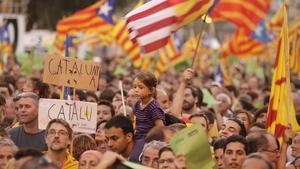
<point>121,36</point>
<point>294,34</point>
<point>246,14</point>
<point>95,18</point>
<point>281,110</point>
<point>243,45</point>
<point>277,20</point>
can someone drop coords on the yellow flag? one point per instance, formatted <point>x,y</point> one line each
<point>281,110</point>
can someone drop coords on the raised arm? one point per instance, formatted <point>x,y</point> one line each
<point>281,164</point>
<point>179,95</point>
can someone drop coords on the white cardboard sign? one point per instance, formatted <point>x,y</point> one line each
<point>82,116</point>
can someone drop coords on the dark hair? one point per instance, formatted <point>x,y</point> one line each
<point>149,80</point>
<point>256,140</point>
<point>156,133</point>
<point>220,143</point>
<point>197,93</point>
<point>100,122</point>
<point>232,88</point>
<point>62,122</point>
<point>209,115</point>
<point>107,103</point>
<point>122,122</point>
<point>167,148</point>
<point>260,111</point>
<point>125,93</point>
<point>81,95</point>
<point>28,152</point>
<point>7,121</point>
<point>236,138</point>
<point>242,126</point>
<point>259,125</point>
<point>91,94</point>
<point>200,115</point>
<point>42,88</point>
<point>2,100</point>
<point>107,94</point>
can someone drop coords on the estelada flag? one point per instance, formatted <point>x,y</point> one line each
<point>95,18</point>
<point>246,14</point>
<point>281,106</point>
<point>151,24</point>
<point>243,45</point>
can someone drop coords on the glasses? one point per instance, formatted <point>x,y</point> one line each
<point>59,133</point>
<point>169,161</point>
<point>276,151</point>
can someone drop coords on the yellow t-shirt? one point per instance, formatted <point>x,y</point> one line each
<point>70,163</point>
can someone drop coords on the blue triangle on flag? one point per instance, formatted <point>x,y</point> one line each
<point>106,11</point>
<point>262,34</point>
<point>4,35</point>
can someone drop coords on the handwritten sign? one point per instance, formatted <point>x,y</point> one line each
<point>192,142</point>
<point>82,116</point>
<point>71,72</point>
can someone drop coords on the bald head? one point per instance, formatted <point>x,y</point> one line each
<point>163,99</point>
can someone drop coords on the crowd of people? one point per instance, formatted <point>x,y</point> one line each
<point>156,108</point>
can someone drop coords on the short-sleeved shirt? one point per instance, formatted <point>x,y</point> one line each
<point>145,119</point>
<point>28,140</point>
<point>137,151</point>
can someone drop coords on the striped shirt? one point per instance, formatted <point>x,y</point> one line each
<point>145,119</point>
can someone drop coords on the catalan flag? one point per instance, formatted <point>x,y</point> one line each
<point>281,106</point>
<point>221,75</point>
<point>168,55</point>
<point>245,14</point>
<point>151,24</point>
<point>121,36</point>
<point>6,46</point>
<point>294,28</point>
<point>277,20</point>
<point>96,18</point>
<point>242,45</point>
<point>294,35</point>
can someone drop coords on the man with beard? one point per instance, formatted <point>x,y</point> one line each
<point>58,138</point>
<point>235,152</point>
<point>187,98</point>
<point>28,134</point>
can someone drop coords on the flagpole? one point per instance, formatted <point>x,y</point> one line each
<point>198,42</point>
<point>122,96</point>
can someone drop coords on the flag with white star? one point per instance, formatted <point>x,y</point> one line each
<point>106,10</point>
<point>95,19</point>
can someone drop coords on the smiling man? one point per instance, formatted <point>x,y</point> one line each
<point>235,152</point>
<point>58,138</point>
<point>27,135</point>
